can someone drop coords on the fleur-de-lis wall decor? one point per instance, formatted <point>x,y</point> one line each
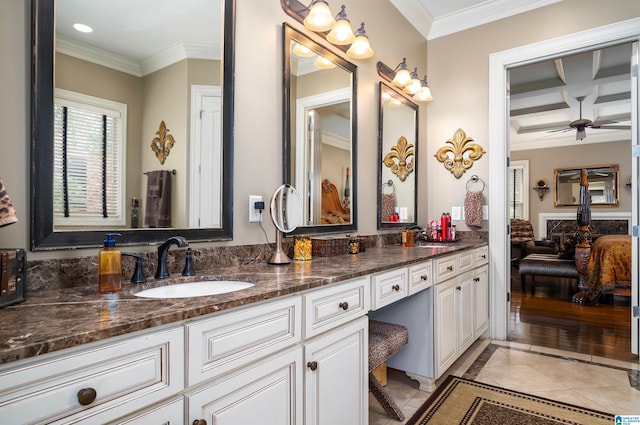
<point>453,156</point>
<point>400,153</point>
<point>162,143</point>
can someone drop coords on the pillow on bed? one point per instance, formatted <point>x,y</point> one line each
<point>568,248</point>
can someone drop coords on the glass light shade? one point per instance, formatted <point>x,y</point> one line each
<point>341,34</point>
<point>302,51</point>
<point>324,63</point>
<point>402,78</point>
<point>360,48</point>
<point>394,103</point>
<point>413,87</point>
<point>319,18</point>
<point>424,95</point>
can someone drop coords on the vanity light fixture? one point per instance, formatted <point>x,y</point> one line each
<point>409,83</point>
<point>302,51</point>
<point>324,63</point>
<point>402,75</point>
<point>341,33</point>
<point>360,48</point>
<point>336,30</point>
<point>424,94</point>
<point>82,28</point>
<point>319,18</point>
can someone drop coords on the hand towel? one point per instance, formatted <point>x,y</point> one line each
<point>473,209</point>
<point>158,208</point>
<point>7,212</point>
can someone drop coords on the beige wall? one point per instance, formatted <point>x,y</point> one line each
<point>542,162</point>
<point>258,104</point>
<point>459,78</point>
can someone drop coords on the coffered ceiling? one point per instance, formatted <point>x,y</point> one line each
<point>544,99</point>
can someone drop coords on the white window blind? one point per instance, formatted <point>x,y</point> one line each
<point>518,189</point>
<point>88,161</point>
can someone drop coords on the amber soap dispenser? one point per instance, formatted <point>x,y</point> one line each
<point>109,266</point>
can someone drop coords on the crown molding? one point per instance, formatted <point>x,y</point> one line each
<point>415,12</point>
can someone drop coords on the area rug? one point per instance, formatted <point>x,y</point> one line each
<point>462,401</point>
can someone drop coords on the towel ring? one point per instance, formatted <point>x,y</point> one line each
<point>389,183</point>
<point>146,173</point>
<point>475,179</point>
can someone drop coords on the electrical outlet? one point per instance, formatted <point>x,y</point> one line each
<point>254,214</point>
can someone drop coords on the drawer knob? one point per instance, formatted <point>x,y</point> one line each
<point>199,422</point>
<point>483,256</point>
<point>86,396</point>
<point>449,268</point>
<point>312,365</point>
<point>476,279</point>
<point>459,288</point>
<point>344,305</point>
<point>396,287</point>
<point>424,277</point>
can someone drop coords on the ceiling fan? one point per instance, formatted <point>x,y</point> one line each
<point>581,124</point>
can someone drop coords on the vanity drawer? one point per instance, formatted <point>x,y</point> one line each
<point>335,305</point>
<point>420,277</point>
<point>481,256</point>
<point>389,287</point>
<point>445,268</point>
<point>230,340</point>
<point>465,261</point>
<point>125,375</point>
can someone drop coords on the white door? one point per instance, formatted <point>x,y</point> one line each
<point>635,199</point>
<point>205,169</point>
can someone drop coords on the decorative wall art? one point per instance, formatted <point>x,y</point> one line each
<point>459,157</point>
<point>401,153</point>
<point>162,143</point>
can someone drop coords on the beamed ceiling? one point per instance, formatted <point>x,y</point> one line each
<point>544,99</point>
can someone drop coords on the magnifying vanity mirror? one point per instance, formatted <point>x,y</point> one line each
<point>170,108</point>
<point>286,213</point>
<point>397,159</point>
<point>319,127</point>
<point>604,186</point>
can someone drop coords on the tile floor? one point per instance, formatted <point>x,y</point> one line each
<point>588,381</point>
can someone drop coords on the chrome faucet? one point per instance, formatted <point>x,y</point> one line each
<point>161,272</point>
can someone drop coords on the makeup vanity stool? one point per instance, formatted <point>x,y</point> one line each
<point>385,340</point>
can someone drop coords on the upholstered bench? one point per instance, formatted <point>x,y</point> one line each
<point>385,340</point>
<point>546,265</point>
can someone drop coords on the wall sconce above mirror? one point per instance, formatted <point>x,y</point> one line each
<point>407,81</point>
<point>604,186</point>
<point>317,17</point>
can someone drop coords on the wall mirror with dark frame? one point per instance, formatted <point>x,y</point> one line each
<point>319,127</point>
<point>118,111</point>
<point>604,186</point>
<point>397,159</point>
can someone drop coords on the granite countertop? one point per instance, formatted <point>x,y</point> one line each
<point>51,320</point>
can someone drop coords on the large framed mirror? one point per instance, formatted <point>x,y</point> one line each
<point>604,186</point>
<point>149,89</point>
<point>319,127</point>
<point>397,159</point>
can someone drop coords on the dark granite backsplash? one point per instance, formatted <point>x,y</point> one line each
<point>68,273</point>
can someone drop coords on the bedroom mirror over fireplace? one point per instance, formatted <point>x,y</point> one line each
<point>604,186</point>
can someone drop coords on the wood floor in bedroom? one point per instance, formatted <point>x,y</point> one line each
<point>548,318</point>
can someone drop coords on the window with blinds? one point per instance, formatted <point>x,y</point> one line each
<point>518,192</point>
<point>88,161</point>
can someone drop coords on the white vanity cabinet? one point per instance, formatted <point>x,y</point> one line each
<point>96,383</point>
<point>460,304</point>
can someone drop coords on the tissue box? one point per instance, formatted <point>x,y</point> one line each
<point>329,246</point>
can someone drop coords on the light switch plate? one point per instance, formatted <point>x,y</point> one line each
<point>456,213</point>
<point>485,212</point>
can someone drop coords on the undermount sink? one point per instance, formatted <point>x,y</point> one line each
<point>194,289</point>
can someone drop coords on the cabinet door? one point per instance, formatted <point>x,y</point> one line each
<point>268,392</point>
<point>481,296</point>
<point>336,376</point>
<point>465,300</point>
<point>446,343</point>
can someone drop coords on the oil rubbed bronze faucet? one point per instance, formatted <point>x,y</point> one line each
<point>163,249</point>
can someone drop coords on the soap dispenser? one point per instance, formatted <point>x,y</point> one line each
<point>109,266</point>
